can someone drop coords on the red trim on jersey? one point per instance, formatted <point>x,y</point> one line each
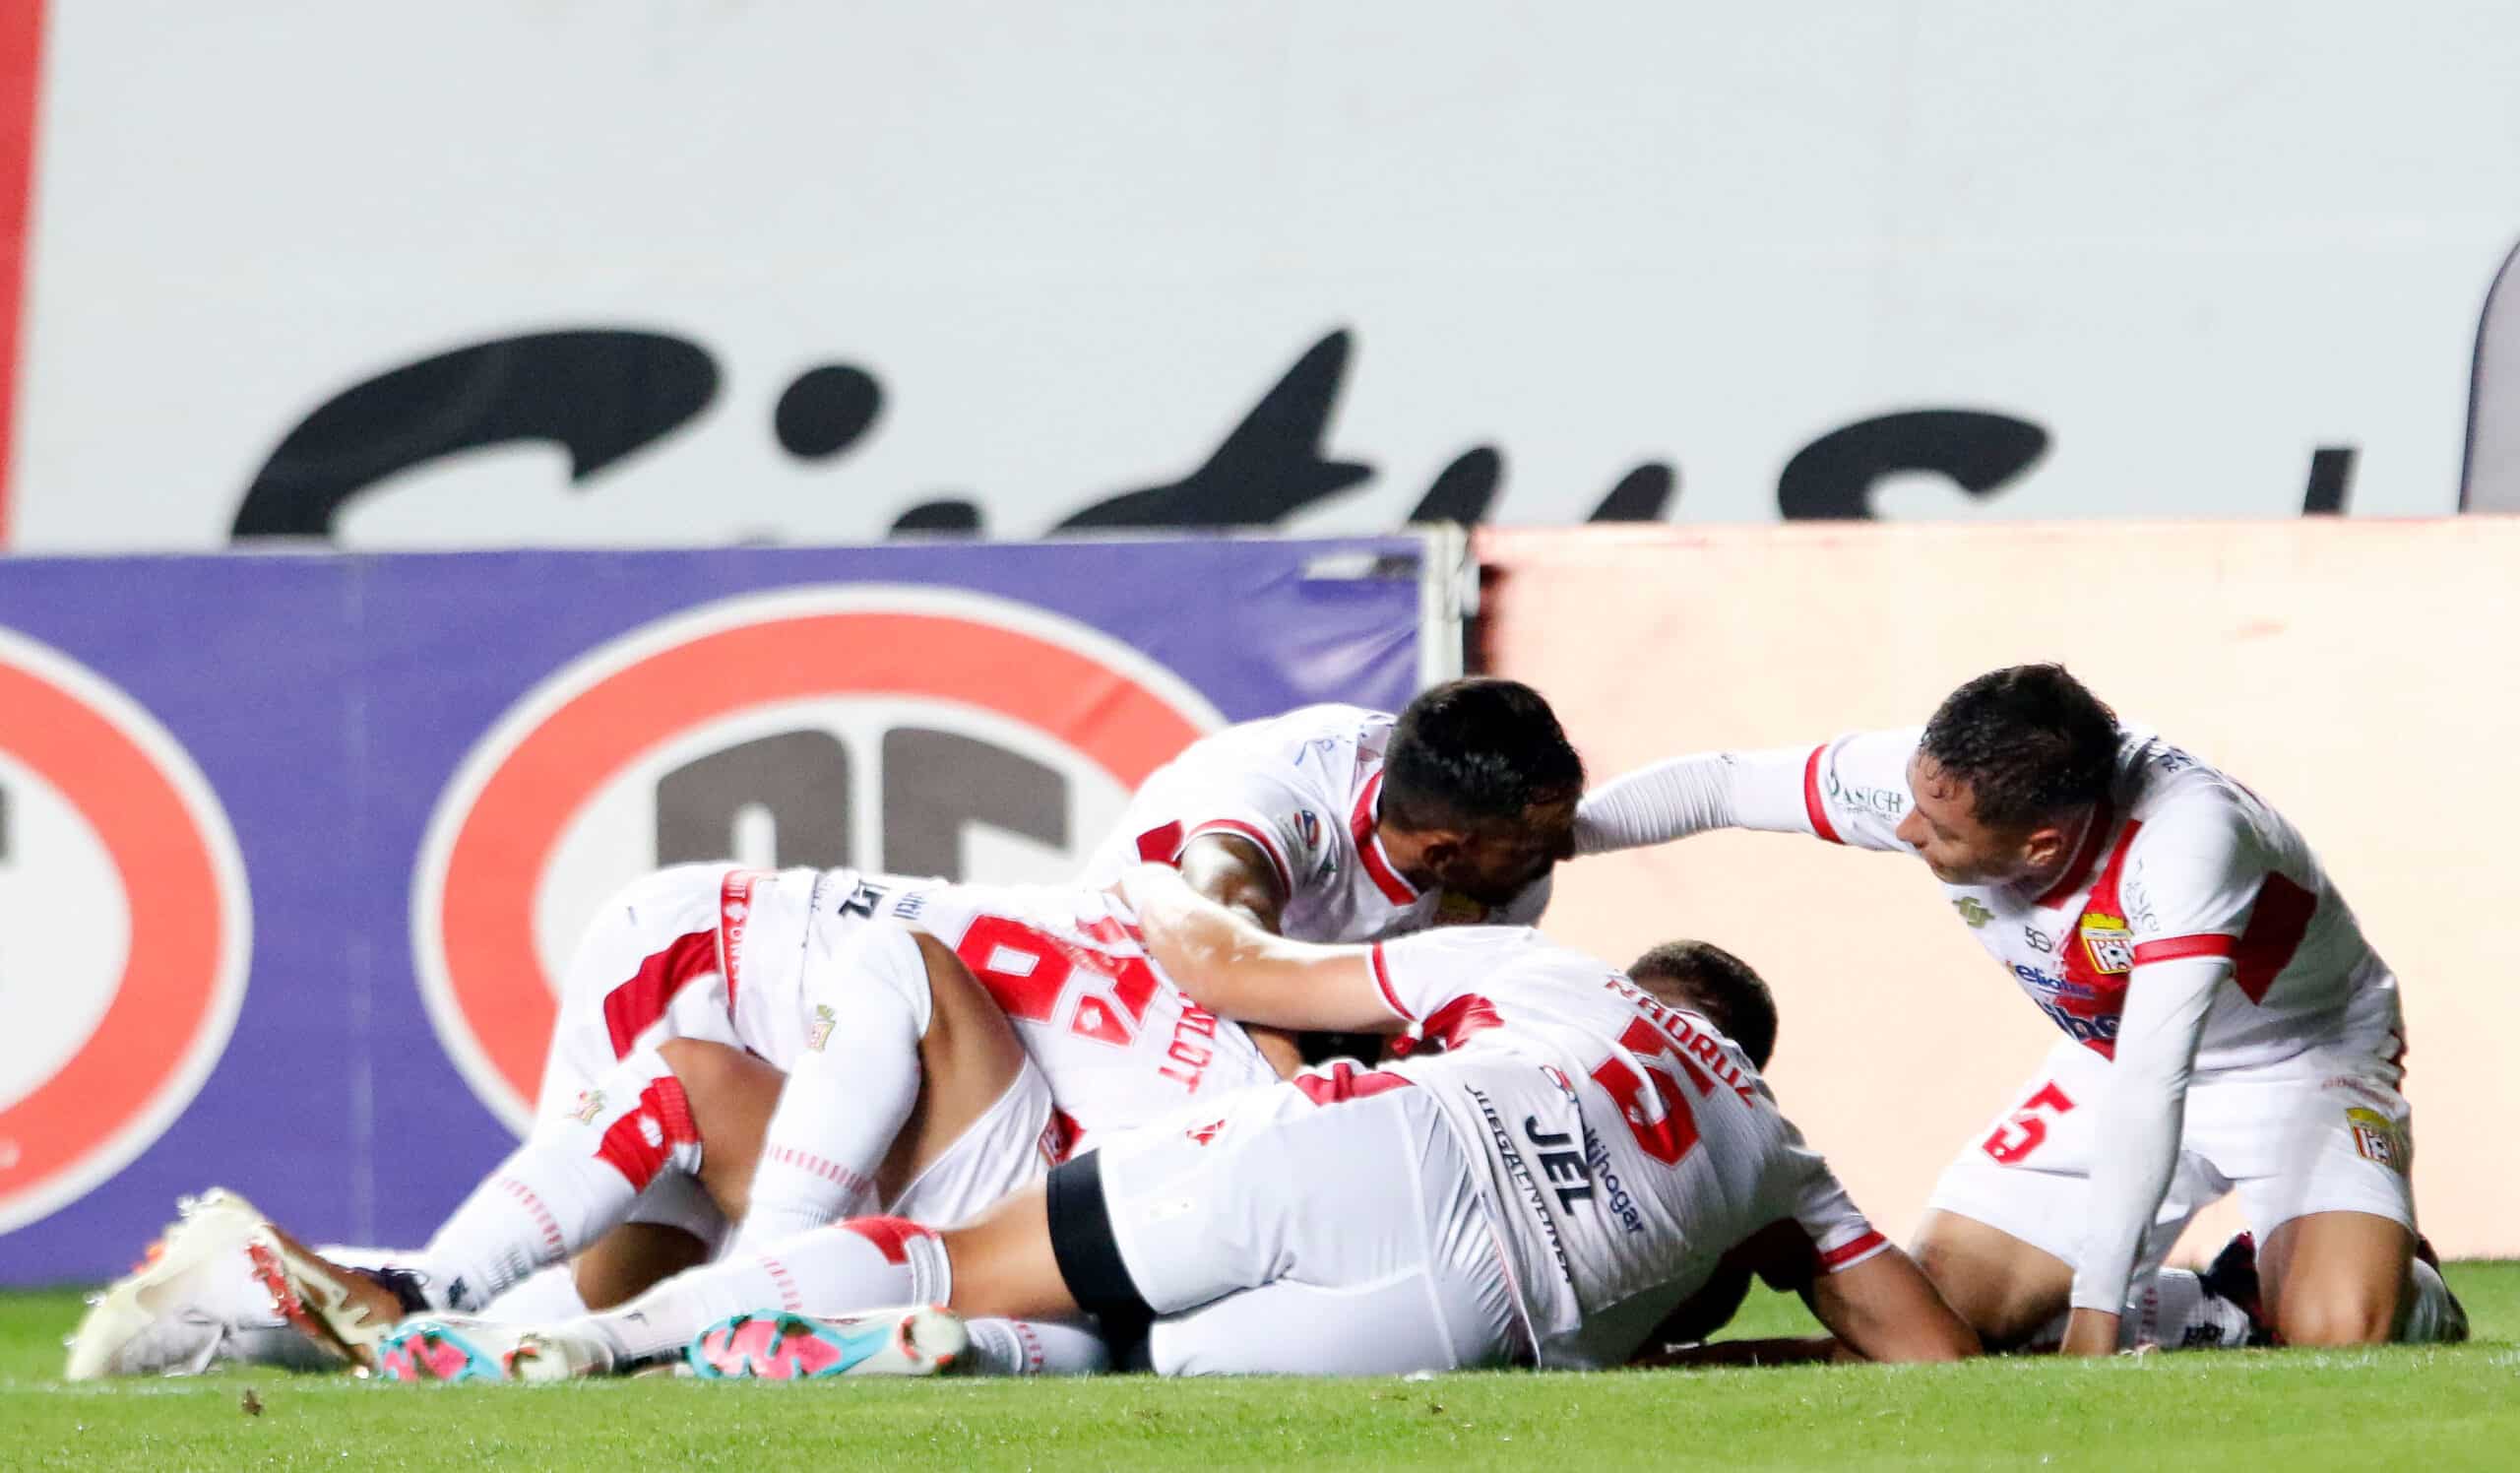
<point>2178,948</point>
<point>2089,1011</point>
<point>1369,851</point>
<point>1382,980</point>
<point>2274,933</point>
<point>1846,1253</point>
<point>631,1007</point>
<point>1268,847</point>
<point>735,913</point>
<point>1342,1081</point>
<point>1160,846</point>
<point>1452,1024</point>
<point>2080,870</point>
<point>1811,802</point>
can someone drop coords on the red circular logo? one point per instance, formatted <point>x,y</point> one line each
<point>109,823</point>
<point>518,809</point>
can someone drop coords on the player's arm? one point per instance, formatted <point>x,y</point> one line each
<point>2140,1118</point>
<point>2193,879</point>
<point>1850,791</point>
<point>1885,1309</point>
<point>1233,969</point>
<point>1233,872</point>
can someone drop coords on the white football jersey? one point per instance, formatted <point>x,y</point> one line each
<point>1628,1145</point>
<point>1119,1043</point>
<point>1302,787</point>
<point>2183,861</point>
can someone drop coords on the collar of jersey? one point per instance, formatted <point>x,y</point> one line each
<point>1365,824</point>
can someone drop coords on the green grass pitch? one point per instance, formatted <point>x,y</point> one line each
<point>2422,1408</point>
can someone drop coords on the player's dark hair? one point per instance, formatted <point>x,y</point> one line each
<point>1472,752</point>
<point>1708,979</point>
<point>2030,740</point>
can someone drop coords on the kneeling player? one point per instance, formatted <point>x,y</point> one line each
<point>1544,1192</point>
<point>2227,1025</point>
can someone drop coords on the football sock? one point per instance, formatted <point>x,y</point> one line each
<point>847,1093</point>
<point>573,1180</point>
<point>1036,1347</point>
<point>857,1265</point>
<point>552,1294</point>
<point>2174,1312</point>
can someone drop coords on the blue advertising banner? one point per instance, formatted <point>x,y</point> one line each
<point>291,846</point>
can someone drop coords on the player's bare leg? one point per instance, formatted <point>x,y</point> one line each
<point>2004,1288</point>
<point>2352,1278</point>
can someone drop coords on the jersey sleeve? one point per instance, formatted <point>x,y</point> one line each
<point>1842,1237</point>
<point>1293,827</point>
<point>1422,973</point>
<point>1855,790</point>
<point>2199,883</point>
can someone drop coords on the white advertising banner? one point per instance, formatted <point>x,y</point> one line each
<point>482,273</point>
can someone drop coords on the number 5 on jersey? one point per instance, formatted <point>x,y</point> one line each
<point>1664,1127</point>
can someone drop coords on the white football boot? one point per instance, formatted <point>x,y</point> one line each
<point>195,1300</point>
<point>772,1346</point>
<point>459,1348</point>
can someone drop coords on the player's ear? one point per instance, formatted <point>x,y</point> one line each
<point>2044,846</point>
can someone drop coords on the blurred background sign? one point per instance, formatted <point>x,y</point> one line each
<point>291,848</point>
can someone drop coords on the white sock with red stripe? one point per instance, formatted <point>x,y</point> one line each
<point>572,1181</point>
<point>867,1262</point>
<point>848,1094</point>
<point>552,1294</point>
<point>2173,1312</point>
<point>1036,1347</point>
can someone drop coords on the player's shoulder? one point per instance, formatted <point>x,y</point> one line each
<point>2161,782</point>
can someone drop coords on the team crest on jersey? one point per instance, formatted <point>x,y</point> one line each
<point>1454,909</point>
<point>1972,910</point>
<point>589,1105</point>
<point>2111,944</point>
<point>820,1033</point>
<point>2378,1137</point>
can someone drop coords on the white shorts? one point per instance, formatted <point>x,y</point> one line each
<point>638,976</point>
<point>1279,1236</point>
<point>1008,1148</point>
<point>2322,1133</point>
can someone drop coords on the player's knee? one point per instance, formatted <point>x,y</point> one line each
<point>2347,1316</point>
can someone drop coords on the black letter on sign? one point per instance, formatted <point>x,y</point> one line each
<point>1833,476</point>
<point>1269,466</point>
<point>598,395</point>
<point>937,782</point>
<point>801,777</point>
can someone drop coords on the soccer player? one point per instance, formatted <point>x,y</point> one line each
<point>2226,1024</point>
<point>1544,1190</point>
<point>686,999</point>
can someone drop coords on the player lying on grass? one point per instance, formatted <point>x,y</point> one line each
<point>1335,823</point>
<point>1546,1190</point>
<point>918,1093</point>
<point>2226,1024</point>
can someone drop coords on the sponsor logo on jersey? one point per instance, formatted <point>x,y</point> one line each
<point>2378,1137</point>
<point>1307,827</point>
<point>820,1033</point>
<point>2082,1030</point>
<point>2111,944</point>
<point>1972,910</point>
<point>2038,940</point>
<point>127,923</point>
<point>1888,803</point>
<point>917,729</point>
<point>2049,982</point>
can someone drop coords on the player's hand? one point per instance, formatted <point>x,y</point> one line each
<point>2090,1332</point>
